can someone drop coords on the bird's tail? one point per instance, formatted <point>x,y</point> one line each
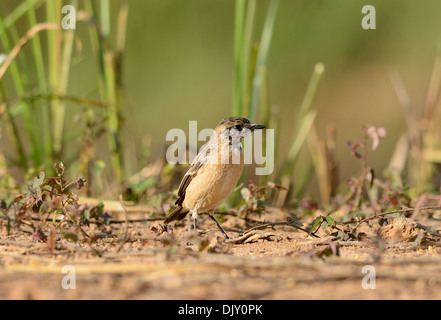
<point>178,214</point>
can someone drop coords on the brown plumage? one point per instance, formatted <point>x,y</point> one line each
<point>215,172</point>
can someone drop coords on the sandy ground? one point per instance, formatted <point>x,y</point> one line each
<point>281,263</point>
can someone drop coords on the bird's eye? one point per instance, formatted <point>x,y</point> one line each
<point>238,127</point>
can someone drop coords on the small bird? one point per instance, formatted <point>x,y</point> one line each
<point>215,171</point>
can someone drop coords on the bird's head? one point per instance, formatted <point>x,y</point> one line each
<point>237,128</point>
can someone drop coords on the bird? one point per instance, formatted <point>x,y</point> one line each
<point>214,173</point>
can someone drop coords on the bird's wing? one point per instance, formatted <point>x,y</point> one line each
<point>197,163</point>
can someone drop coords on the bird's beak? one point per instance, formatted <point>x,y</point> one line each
<point>256,127</point>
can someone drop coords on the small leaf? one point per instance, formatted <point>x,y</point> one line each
<point>315,223</point>
<point>336,234</point>
<point>330,220</point>
<point>80,183</point>
<point>293,220</point>
<point>106,215</point>
<point>431,230</point>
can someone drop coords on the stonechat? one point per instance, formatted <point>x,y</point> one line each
<point>215,171</point>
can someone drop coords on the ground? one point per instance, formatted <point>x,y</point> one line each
<point>278,263</point>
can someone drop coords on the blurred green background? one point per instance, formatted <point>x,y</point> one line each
<point>178,66</point>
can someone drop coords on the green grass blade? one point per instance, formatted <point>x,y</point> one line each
<point>43,107</point>
<point>239,22</point>
<point>7,46</point>
<point>110,78</point>
<point>30,124</point>
<point>105,18</point>
<point>20,11</point>
<point>262,58</point>
<point>311,91</point>
<point>13,130</point>
<point>53,9</point>
<point>318,154</point>
<point>248,61</point>
<point>298,141</point>
<point>304,121</point>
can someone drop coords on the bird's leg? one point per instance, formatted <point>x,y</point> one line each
<point>194,224</point>
<point>194,215</point>
<point>211,215</point>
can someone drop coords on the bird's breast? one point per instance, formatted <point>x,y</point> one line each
<point>213,184</point>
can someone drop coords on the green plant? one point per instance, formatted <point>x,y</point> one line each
<point>367,174</point>
<point>419,150</point>
<point>250,59</point>
<point>303,124</point>
<point>250,94</point>
<point>49,209</point>
<point>110,61</point>
<point>255,198</point>
<point>39,90</point>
